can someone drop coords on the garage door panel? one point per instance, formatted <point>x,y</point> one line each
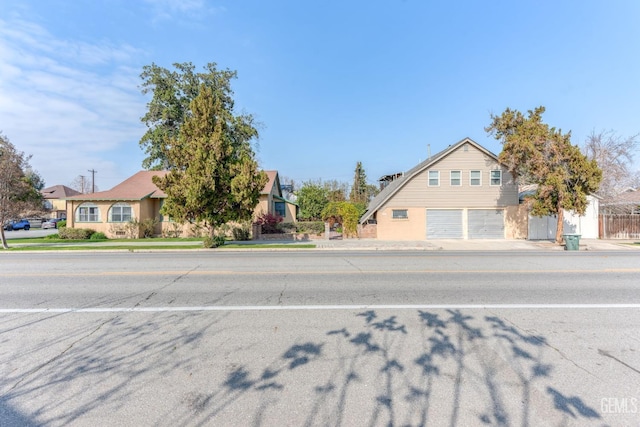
<point>444,224</point>
<point>486,223</point>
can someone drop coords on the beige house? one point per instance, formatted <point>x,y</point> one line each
<point>138,198</point>
<point>462,192</point>
<point>109,212</point>
<point>55,199</point>
<point>272,200</point>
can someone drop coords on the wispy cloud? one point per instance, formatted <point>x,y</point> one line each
<point>72,104</point>
<point>179,9</point>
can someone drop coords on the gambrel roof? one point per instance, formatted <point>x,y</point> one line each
<point>397,184</point>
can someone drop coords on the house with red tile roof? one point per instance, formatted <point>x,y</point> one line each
<point>138,199</point>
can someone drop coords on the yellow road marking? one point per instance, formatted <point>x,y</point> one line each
<point>300,273</point>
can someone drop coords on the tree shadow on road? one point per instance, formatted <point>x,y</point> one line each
<point>410,368</point>
<point>467,369</point>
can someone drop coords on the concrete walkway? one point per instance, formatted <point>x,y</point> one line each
<point>473,245</point>
<point>381,245</point>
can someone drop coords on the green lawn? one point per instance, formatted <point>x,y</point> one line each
<point>44,244</point>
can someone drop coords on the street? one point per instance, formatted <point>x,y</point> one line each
<point>320,338</point>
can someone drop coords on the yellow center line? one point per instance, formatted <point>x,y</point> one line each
<point>300,273</point>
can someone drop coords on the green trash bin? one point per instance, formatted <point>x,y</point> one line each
<point>572,241</point>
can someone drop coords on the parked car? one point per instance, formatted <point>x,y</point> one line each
<point>51,223</point>
<point>23,224</point>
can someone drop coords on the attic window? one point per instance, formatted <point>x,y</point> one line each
<point>475,178</point>
<point>456,178</point>
<point>434,178</point>
<point>465,147</point>
<point>496,177</point>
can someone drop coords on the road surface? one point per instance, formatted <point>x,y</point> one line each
<point>320,338</point>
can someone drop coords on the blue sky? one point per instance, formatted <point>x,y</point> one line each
<point>332,82</point>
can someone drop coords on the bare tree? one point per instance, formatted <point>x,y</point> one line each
<point>82,184</point>
<point>19,192</point>
<point>614,155</point>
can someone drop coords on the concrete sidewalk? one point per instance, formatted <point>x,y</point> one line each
<point>382,245</point>
<point>472,245</point>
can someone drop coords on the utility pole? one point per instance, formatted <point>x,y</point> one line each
<point>93,180</point>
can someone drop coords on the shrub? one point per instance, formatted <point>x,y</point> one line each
<point>173,231</point>
<point>147,227</point>
<point>211,242</point>
<point>52,236</point>
<point>98,236</point>
<point>61,224</point>
<point>134,228</point>
<point>75,233</point>
<point>288,227</point>
<point>242,232</point>
<point>270,223</point>
<point>311,227</point>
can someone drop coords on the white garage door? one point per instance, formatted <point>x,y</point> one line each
<point>486,223</point>
<point>444,223</point>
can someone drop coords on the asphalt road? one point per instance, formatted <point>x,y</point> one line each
<point>320,338</point>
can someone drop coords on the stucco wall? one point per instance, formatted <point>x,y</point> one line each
<point>412,228</point>
<point>110,229</point>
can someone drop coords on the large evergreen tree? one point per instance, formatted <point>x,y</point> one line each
<point>538,154</point>
<point>172,93</point>
<point>19,186</point>
<point>361,192</point>
<point>359,188</point>
<point>214,177</point>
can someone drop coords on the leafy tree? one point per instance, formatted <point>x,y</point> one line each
<point>173,91</point>
<point>614,155</point>
<point>19,186</point>
<point>538,154</point>
<point>214,177</point>
<point>336,190</point>
<point>345,213</point>
<point>312,198</point>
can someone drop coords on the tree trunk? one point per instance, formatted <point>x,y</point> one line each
<point>3,238</point>
<point>560,226</point>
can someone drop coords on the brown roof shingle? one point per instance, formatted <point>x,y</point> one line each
<point>58,192</point>
<point>137,187</point>
<point>270,183</point>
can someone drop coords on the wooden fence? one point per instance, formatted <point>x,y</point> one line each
<point>619,226</point>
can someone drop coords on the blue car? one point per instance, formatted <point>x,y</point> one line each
<point>23,224</point>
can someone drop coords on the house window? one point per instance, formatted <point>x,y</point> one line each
<point>456,178</point>
<point>496,177</point>
<point>434,178</point>
<point>88,212</point>
<point>400,214</point>
<point>280,209</point>
<point>120,212</point>
<point>475,178</point>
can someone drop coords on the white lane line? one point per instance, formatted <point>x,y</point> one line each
<point>314,307</point>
